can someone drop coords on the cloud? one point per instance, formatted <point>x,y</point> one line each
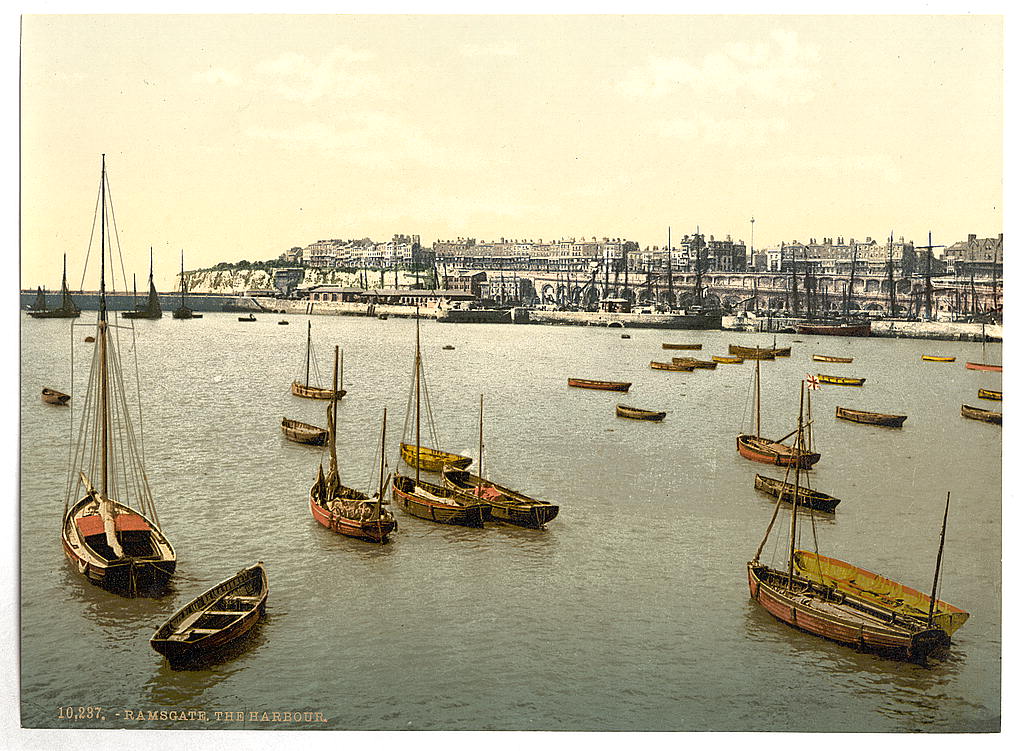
<point>780,69</point>
<point>729,131</point>
<point>503,49</point>
<point>217,76</point>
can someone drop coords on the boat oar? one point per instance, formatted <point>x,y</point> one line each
<point>793,431</point>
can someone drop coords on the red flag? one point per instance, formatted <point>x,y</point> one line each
<point>812,382</point>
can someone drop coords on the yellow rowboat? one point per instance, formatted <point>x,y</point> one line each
<point>705,364</point>
<point>996,396</point>
<point>877,590</point>
<point>828,358</point>
<point>433,460</point>
<point>727,359</point>
<point>839,381</point>
<point>937,358</point>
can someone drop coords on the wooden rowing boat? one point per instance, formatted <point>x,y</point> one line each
<point>583,383</point>
<point>247,319</point>
<point>218,617</point>
<point>974,413</point>
<point>52,396</point>
<point>809,498</point>
<point>840,381</point>
<point>634,413</point>
<point>884,593</point>
<point>700,364</point>
<point>678,367</point>
<point>433,460</point>
<point>937,358</point>
<point>766,451</point>
<point>669,345</point>
<point>827,358</point>
<point>870,418</point>
<point>506,505</point>
<point>302,432</point>
<point>342,509</point>
<point>759,353</point>
<point>983,366</point>
<point>996,396</point>
<point>727,359</point>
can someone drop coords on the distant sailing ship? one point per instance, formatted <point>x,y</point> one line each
<point>67,308</point>
<point>110,531</point>
<point>183,313</point>
<point>151,310</point>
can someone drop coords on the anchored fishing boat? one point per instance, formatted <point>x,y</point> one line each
<point>183,312</point>
<point>840,380</point>
<point>507,505</point>
<point>52,396</point>
<point>870,418</point>
<point>583,383</point>
<point>634,413</point>
<point>303,432</point>
<point>669,345</point>
<point>759,353</point>
<point>220,616</point>
<point>975,413</point>
<point>110,531</point>
<point>828,358</point>
<point>937,358</point>
<point>428,500</point>
<point>809,498</point>
<point>996,396</point>
<point>698,364</point>
<point>151,310</point>
<point>342,509</point>
<point>727,359</point>
<point>756,448</point>
<point>809,597</point>
<point>67,308</point>
<point>307,383</point>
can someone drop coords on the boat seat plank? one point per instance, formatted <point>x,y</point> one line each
<point>225,612</point>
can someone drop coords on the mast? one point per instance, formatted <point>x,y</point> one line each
<point>849,292</point>
<point>938,563</point>
<point>65,296</point>
<point>796,298</point>
<point>309,345</point>
<point>183,278</point>
<point>796,491</point>
<point>892,281</point>
<point>928,280</point>
<point>670,295</point>
<point>380,487</point>
<point>101,337</point>
<point>481,464</point>
<point>135,294</point>
<point>417,395</point>
<point>757,393</point>
<point>333,433</point>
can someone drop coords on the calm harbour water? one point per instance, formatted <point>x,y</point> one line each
<point>629,612</point>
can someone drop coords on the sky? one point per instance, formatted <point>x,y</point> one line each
<point>238,137</point>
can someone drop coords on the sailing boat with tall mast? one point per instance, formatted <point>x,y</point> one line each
<point>428,500</point>
<point>307,385</point>
<point>110,531</point>
<point>507,505</point>
<point>758,449</point>
<point>67,308</point>
<point>182,312</point>
<point>841,602</point>
<point>151,311</point>
<point>342,509</point>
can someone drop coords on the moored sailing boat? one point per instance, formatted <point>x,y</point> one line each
<point>429,500</point>
<point>67,308</point>
<point>303,387</point>
<point>182,312</point>
<point>342,509</point>
<point>507,505</point>
<point>758,449</point>
<point>110,531</point>
<point>151,311</point>
<point>843,613</point>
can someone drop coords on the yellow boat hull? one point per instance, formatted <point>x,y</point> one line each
<point>433,460</point>
<point>877,589</point>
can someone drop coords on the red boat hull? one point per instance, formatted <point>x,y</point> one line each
<point>983,366</point>
<point>375,531</point>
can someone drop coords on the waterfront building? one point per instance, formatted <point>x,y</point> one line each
<point>464,280</point>
<point>975,258</point>
<point>287,280</point>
